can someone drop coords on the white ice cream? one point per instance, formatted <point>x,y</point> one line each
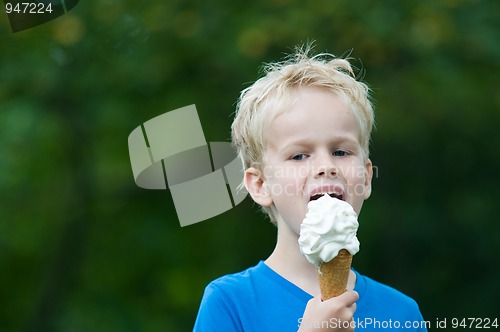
<point>329,226</point>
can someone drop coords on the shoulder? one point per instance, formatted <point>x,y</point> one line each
<point>229,302</point>
<point>219,306</point>
<point>376,296</point>
<point>379,289</point>
<point>230,290</point>
<point>235,283</point>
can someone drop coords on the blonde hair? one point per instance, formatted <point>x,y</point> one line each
<point>273,93</point>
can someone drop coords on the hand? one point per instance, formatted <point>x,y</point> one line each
<point>335,314</point>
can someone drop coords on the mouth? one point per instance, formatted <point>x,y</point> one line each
<point>333,195</point>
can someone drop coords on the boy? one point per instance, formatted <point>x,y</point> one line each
<point>302,130</point>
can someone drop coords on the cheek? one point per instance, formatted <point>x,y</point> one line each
<point>284,189</point>
<point>359,189</point>
<point>357,184</point>
<point>286,180</point>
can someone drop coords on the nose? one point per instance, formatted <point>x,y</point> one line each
<point>325,168</point>
<point>326,171</point>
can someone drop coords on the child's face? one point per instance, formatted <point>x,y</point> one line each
<point>312,148</point>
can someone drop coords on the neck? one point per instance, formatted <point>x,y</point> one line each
<point>288,261</point>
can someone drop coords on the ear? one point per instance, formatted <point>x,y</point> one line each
<point>368,178</point>
<point>257,188</point>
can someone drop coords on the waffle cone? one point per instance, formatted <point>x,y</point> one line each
<point>333,275</point>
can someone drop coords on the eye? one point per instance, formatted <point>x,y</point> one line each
<point>339,153</point>
<point>299,156</point>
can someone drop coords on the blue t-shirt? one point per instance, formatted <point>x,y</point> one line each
<point>259,299</point>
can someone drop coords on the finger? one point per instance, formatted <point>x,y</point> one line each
<point>349,297</point>
<point>352,309</point>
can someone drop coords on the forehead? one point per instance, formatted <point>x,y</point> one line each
<point>310,109</point>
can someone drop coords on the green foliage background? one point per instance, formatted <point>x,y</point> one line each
<point>83,249</point>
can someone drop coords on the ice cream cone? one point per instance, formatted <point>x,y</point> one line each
<point>333,275</point>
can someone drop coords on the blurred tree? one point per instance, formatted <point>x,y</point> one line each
<point>81,247</point>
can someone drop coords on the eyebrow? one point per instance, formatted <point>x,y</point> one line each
<point>306,143</point>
